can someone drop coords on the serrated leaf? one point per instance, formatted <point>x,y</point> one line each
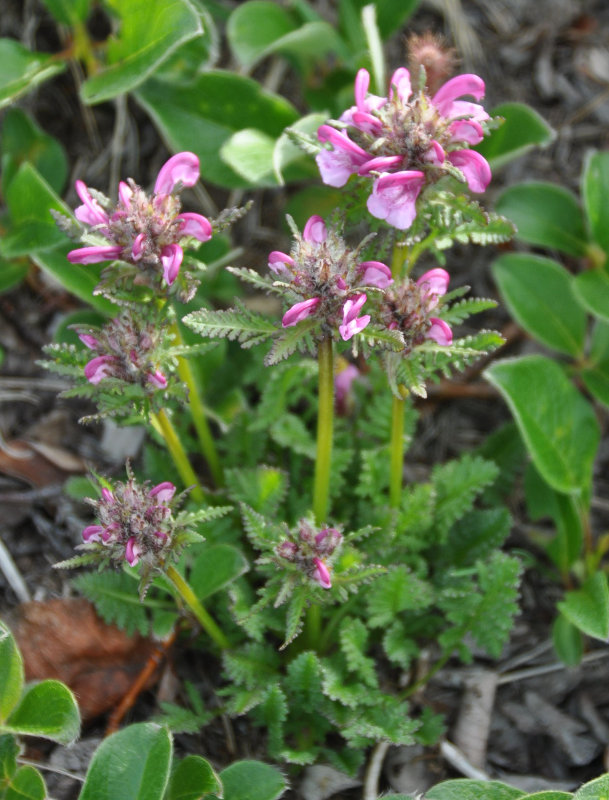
<point>399,591</point>
<point>116,599</point>
<point>457,484</point>
<point>290,431</point>
<point>238,324</point>
<point>294,617</point>
<point>353,640</point>
<point>47,709</point>
<point>290,340</point>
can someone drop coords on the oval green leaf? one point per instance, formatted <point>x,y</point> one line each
<point>250,154</point>
<point>47,709</point>
<point>588,608</point>
<point>567,641</point>
<point>23,140</point>
<point>26,784</point>
<point>539,294</point>
<point>595,180</point>
<point>133,763</point>
<point>22,70</point>
<point>595,790</point>
<point>11,672</point>
<point>595,375</point>
<point>193,778</point>
<point>150,31</point>
<point>523,129</point>
<point>466,789</point>
<point>68,12</point>
<point>252,780</point>
<point>253,27</point>
<point>592,290</point>
<point>215,567</point>
<point>559,427</point>
<point>206,113</point>
<point>545,215</point>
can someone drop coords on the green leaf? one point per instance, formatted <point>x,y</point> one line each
<point>595,180</point>
<point>596,374</point>
<point>558,426</point>
<point>26,784</point>
<point>255,26</point>
<point>150,31</point>
<point>47,709</point>
<point>546,215</point>
<point>116,599</point>
<point>539,293</point>
<point>594,790</point>
<point>215,567</point>
<point>592,290</point>
<point>203,115</point>
<point>239,323</point>
<point>287,155</point>
<point>192,778</point>
<point>68,12</point>
<point>9,750</point>
<point>567,640</point>
<point>22,70</point>
<point>390,17</point>
<point>523,129</point>
<point>588,608</point>
<point>12,273</point>
<point>133,763</point>
<point>252,780</point>
<point>250,154</point>
<point>465,789</point>
<point>11,672</point>
<point>23,140</point>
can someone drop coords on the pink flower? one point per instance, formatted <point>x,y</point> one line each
<point>394,197</point>
<point>440,332</point>
<point>133,551</point>
<point>300,311</point>
<point>157,379</point>
<point>92,533</point>
<point>321,574</point>
<point>353,324</point>
<point>279,262</point>
<point>182,170</point>
<point>315,230</point>
<point>434,284</point>
<point>375,273</point>
<point>345,158</point>
<point>93,255</point>
<point>163,492</point>
<point>99,368</point>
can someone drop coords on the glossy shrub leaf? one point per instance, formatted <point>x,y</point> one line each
<point>594,790</point>
<point>133,763</point>
<point>47,709</point>
<point>592,290</point>
<point>195,56</point>
<point>22,70</point>
<point>466,789</point>
<point>595,180</point>
<point>567,641</point>
<point>204,115</point>
<point>287,155</point>
<point>11,672</point>
<point>252,780</point>
<point>588,608</point>
<point>523,129</point>
<point>22,140</point>
<point>26,784</point>
<point>596,373</point>
<point>150,31</point>
<point>545,215</point>
<point>79,279</point>
<point>254,26</point>
<point>193,778</point>
<point>559,427</point>
<point>215,567</point>
<point>9,750</point>
<point>29,199</point>
<point>539,294</point>
<point>250,154</point>
<point>68,12</point>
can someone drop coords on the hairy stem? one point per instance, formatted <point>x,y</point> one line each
<point>204,618</point>
<point>162,424</point>
<point>325,423</point>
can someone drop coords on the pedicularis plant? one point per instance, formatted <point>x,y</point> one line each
<point>280,525</point>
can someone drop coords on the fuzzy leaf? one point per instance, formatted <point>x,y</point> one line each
<point>353,639</point>
<point>274,711</point>
<point>294,617</point>
<point>399,591</point>
<point>398,647</point>
<point>116,599</point>
<point>303,680</point>
<point>294,338</point>
<point>253,666</point>
<point>238,324</point>
<point>261,488</point>
<point>252,780</point>
<point>457,485</point>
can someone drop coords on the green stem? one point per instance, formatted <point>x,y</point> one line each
<point>197,410</point>
<point>397,261</point>
<point>325,422</point>
<point>162,424</point>
<point>205,619</point>
<point>397,452</point>
<point>414,687</point>
<point>419,248</point>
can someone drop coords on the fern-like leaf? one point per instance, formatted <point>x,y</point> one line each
<point>237,324</point>
<point>294,617</point>
<point>353,637</point>
<point>291,340</point>
<point>399,591</point>
<point>116,599</point>
<point>457,484</point>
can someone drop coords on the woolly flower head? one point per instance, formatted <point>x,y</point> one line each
<point>311,551</point>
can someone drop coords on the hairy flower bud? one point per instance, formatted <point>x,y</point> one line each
<point>310,549</point>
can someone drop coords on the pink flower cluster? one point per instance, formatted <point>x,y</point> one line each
<point>125,349</point>
<point>406,140</point>
<point>141,230</point>
<point>310,549</point>
<point>329,277</point>
<point>134,523</point>
<point>408,308</point>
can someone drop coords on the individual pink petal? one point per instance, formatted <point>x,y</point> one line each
<point>125,193</point>
<point>394,197</point>
<point>195,225</point>
<point>466,109</point>
<point>321,574</point>
<point>380,164</point>
<point>163,492</point>
<point>300,311</point>
<point>400,81</point>
<point>133,551</point>
<point>458,86</point>
<point>362,82</point>
<point>366,122</point>
<point>107,496</point>
<point>327,540</point>
<point>466,130</point>
<point>110,532</point>
<point>287,550</point>
<point>353,324</point>
<point>363,103</point>
<point>440,332</point>
<point>337,165</point>
<point>474,166</point>
<point>279,262</point>
<point>341,283</point>
<point>375,273</point>
<point>91,342</point>
<point>157,379</point>
<point>137,248</point>
<point>434,282</point>
<point>92,533</point>
<point>91,212</point>
<point>315,230</point>
<point>95,254</point>
<point>171,258</point>
<point>162,536</point>
<point>435,155</point>
<point>183,168</point>
<point>99,368</point>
